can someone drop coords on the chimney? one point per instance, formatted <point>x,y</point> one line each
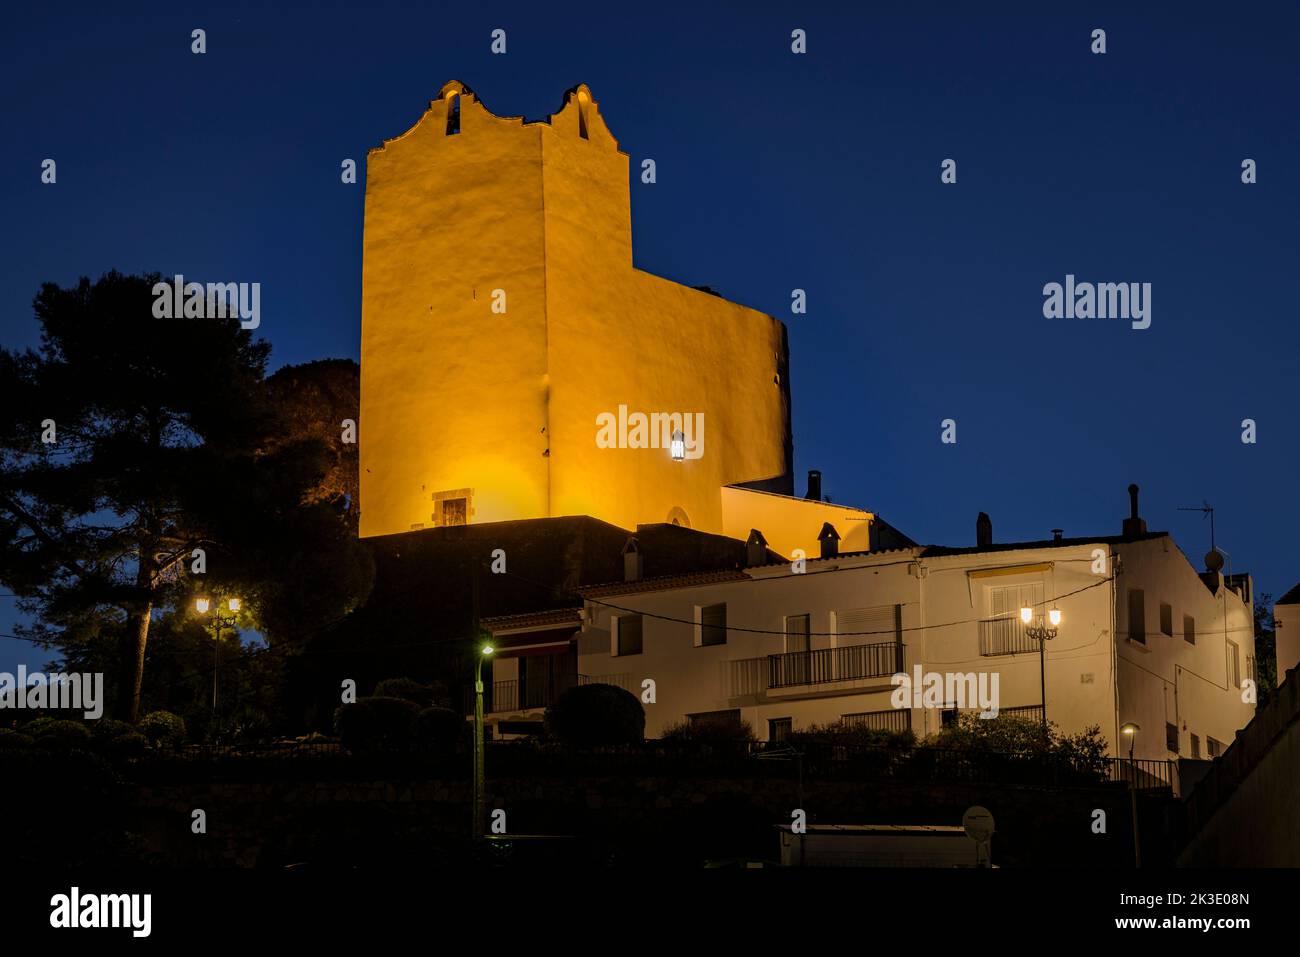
<point>1133,525</point>
<point>830,540</point>
<point>983,530</point>
<point>755,549</point>
<point>814,485</point>
<point>1058,534</point>
<point>633,564</point>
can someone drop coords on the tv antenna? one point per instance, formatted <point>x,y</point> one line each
<point>1206,508</point>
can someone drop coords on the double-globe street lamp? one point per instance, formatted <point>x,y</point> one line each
<point>202,605</point>
<point>1041,633</point>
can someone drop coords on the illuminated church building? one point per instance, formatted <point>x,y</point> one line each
<point>503,322</point>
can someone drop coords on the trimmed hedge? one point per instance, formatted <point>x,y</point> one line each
<point>376,724</point>
<point>163,728</point>
<point>596,715</point>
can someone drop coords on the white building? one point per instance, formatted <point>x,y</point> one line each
<point>1144,639</point>
<point>1286,624</point>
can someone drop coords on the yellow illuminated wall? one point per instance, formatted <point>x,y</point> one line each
<point>457,397</point>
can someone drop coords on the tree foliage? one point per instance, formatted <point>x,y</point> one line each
<point>166,440</point>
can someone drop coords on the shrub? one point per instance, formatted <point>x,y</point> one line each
<point>440,730</point>
<point>596,715</point>
<point>163,728</point>
<point>36,725</point>
<point>1006,733</point>
<point>426,696</point>
<point>61,734</point>
<point>850,736</point>
<point>708,735</point>
<point>107,728</point>
<point>248,724</point>
<point>130,745</point>
<point>14,740</point>
<point>376,724</point>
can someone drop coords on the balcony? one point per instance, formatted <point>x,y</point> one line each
<point>1005,636</point>
<point>501,697</point>
<point>828,665</point>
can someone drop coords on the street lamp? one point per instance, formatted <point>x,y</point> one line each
<point>484,652</point>
<point>1131,729</point>
<point>202,605</point>
<point>678,446</point>
<point>1042,634</point>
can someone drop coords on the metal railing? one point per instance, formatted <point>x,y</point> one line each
<point>1144,774</point>
<point>834,664</point>
<point>1005,636</point>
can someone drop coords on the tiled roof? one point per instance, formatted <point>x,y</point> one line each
<point>667,581</point>
<point>533,619</point>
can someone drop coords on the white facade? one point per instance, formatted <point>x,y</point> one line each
<point>952,611</point>
<point>1286,624</point>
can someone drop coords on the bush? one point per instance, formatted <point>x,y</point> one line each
<point>107,728</point>
<point>709,736</point>
<point>851,736</point>
<point>596,715</point>
<point>163,728</point>
<point>426,696</point>
<point>130,745</point>
<point>376,724</point>
<point>53,733</point>
<point>440,730</point>
<point>37,725</point>
<point>11,740</point>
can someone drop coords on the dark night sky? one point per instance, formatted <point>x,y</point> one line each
<point>775,171</point>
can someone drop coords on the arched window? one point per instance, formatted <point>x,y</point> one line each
<point>677,516</point>
<point>583,101</point>
<point>453,114</point>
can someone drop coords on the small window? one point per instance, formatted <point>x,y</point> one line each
<point>453,507</point>
<point>1189,629</point>
<point>778,729</point>
<point>1196,746</point>
<point>728,719</point>
<point>583,100</point>
<point>1166,619</point>
<point>454,511</point>
<point>1234,665</point>
<point>1171,737</point>
<point>627,635</point>
<point>453,114</point>
<point>1137,615</point>
<point>1213,747</point>
<point>712,627</point>
<point>948,717</point>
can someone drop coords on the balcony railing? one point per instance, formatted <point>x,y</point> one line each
<point>502,696</point>
<point>1005,636</point>
<point>834,664</point>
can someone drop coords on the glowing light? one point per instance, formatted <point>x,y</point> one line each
<point>202,605</point>
<point>233,604</point>
<point>1026,615</point>
<point>486,650</point>
<point>679,446</point>
<point>1054,616</point>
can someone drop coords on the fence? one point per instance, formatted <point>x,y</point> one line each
<point>815,760</point>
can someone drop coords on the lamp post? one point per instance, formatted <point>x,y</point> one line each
<point>1131,729</point>
<point>202,605</point>
<point>1037,631</point>
<point>484,652</point>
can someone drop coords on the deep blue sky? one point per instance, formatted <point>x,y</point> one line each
<point>775,171</point>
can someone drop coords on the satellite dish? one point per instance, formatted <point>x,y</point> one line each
<point>978,823</point>
<point>1213,560</point>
